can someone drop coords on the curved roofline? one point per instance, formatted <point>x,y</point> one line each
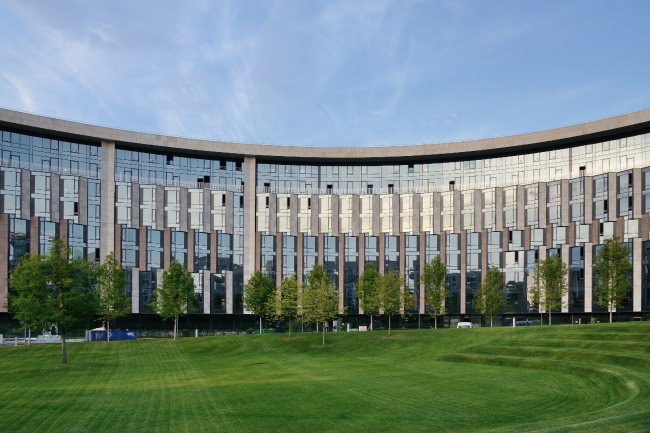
<point>636,122</point>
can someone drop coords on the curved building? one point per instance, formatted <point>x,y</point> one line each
<point>228,209</point>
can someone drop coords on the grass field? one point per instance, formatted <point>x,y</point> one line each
<point>560,378</point>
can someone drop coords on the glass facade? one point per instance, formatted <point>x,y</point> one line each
<point>493,211</point>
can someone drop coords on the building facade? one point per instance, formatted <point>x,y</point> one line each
<point>228,209</point>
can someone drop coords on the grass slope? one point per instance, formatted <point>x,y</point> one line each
<point>561,378</point>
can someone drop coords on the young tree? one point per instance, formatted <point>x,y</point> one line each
<point>62,285</point>
<point>490,297</point>
<point>30,301</point>
<point>175,296</point>
<point>257,292</point>
<point>434,279</point>
<point>611,274</point>
<point>393,297</point>
<point>550,283</point>
<point>320,302</point>
<point>284,305</point>
<point>111,282</point>
<point>367,289</point>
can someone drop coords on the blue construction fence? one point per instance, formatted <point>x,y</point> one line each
<point>115,335</point>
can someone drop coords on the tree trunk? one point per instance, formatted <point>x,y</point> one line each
<point>64,355</point>
<point>175,322</point>
<point>371,322</point>
<point>289,327</point>
<point>260,325</point>
<point>549,317</point>
<point>389,325</point>
<point>29,341</point>
<point>323,334</point>
<point>610,314</point>
<point>108,330</point>
<point>435,321</point>
<point>490,321</point>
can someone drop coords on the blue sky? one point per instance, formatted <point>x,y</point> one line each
<point>330,73</point>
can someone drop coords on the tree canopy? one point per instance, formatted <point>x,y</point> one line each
<point>111,285</point>
<point>368,290</point>
<point>393,297</point>
<point>549,284</point>
<point>320,302</point>
<point>490,298</point>
<point>284,305</point>
<point>612,267</point>
<point>434,279</point>
<point>175,296</point>
<point>62,284</point>
<point>258,292</point>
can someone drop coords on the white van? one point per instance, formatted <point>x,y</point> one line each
<point>465,325</point>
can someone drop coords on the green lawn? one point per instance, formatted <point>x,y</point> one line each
<point>560,378</point>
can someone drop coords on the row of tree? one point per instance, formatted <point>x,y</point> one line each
<point>62,290</point>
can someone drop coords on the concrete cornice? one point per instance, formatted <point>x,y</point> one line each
<point>599,130</point>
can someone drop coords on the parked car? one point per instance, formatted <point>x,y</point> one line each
<point>465,325</point>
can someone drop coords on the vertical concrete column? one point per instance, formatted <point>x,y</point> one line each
<point>498,209</point>
<point>595,232</point>
<point>396,211</point>
<point>637,271</point>
<point>612,189</point>
<point>230,214</point>
<point>279,258</point>
<point>527,238</point>
<point>589,198</point>
<point>160,207</point>
<point>572,234</point>
<point>107,230</point>
<point>484,253</point>
<point>321,249</point>
<point>437,209</point>
<point>620,222</point>
<point>229,292</point>
<point>564,208</point>
<point>273,214</point>
<point>118,243</point>
<point>34,237</point>
<point>637,197</point>
<point>478,210</point>
<point>190,250</point>
<point>356,202</point>
<point>443,247</point>
<point>335,215</point>
<point>521,207</point>
<point>417,217</point>
<point>135,205</point>
<point>213,251</point>
<point>423,258</point>
<point>505,239</point>
<point>549,236</point>
<point>55,198</point>
<point>207,298</point>
<point>63,234</point>
<point>4,261</point>
<point>25,194</point>
<point>294,215</point>
<point>167,245</point>
<point>382,253</point>
<point>258,251</point>
<point>541,204</point>
<point>135,290</point>
<point>457,206</point>
<point>565,298</point>
<point>207,208</point>
<point>376,211</point>
<point>645,226</point>
<point>315,204</point>
<point>184,196</point>
<point>300,257</point>
<point>463,272</point>
<point>250,168</point>
<point>83,201</point>
<point>142,252</point>
<point>341,269</point>
<point>589,297</point>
